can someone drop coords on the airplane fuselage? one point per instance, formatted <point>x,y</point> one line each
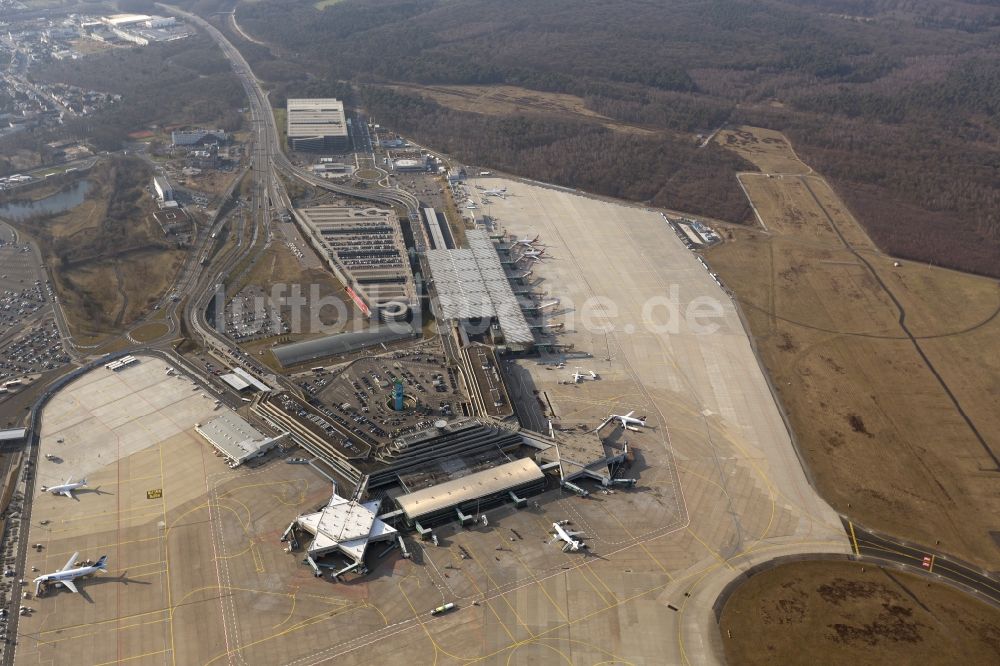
<point>69,574</point>
<point>64,488</point>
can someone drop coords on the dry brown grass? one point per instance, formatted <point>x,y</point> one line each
<point>209,181</point>
<point>88,46</point>
<point>102,297</point>
<point>148,332</point>
<point>767,149</point>
<point>835,613</point>
<point>510,100</point>
<point>883,440</point>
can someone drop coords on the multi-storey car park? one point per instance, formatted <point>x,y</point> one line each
<point>364,248</point>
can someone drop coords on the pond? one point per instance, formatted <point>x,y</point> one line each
<point>56,203</point>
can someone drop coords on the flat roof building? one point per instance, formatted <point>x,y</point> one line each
<point>162,188</point>
<point>197,136</point>
<point>317,125</point>
<point>583,455</point>
<point>471,286</point>
<point>472,493</point>
<point>364,248</point>
<point>344,527</point>
<point>126,20</point>
<point>12,434</point>
<point>234,438</point>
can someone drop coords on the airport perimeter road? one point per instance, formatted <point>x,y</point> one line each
<point>872,545</point>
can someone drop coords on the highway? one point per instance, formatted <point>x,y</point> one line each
<point>269,200</point>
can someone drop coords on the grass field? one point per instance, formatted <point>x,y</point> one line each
<point>510,100</point>
<point>108,258</point>
<point>854,614</point>
<point>281,123</point>
<point>766,148</point>
<point>123,289</point>
<point>883,419</point>
<point>150,331</point>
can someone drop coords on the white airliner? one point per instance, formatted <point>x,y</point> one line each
<point>628,421</point>
<point>527,242</point>
<point>561,534</point>
<point>493,192</point>
<point>534,254</point>
<point>67,575</point>
<point>579,376</point>
<point>66,488</point>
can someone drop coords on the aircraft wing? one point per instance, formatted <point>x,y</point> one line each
<point>68,493</point>
<point>72,560</point>
<point>70,585</point>
<point>629,415</point>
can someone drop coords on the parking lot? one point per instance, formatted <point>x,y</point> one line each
<point>35,350</point>
<point>24,289</point>
<point>29,341</point>
<point>362,393</point>
<point>251,315</point>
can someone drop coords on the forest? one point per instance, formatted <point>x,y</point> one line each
<point>658,170</point>
<point>896,101</point>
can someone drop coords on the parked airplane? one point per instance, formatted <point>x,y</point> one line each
<point>561,534</point>
<point>578,376</point>
<point>492,190</point>
<point>527,242</point>
<point>628,421</point>
<point>67,575</point>
<point>66,488</point>
<point>534,254</point>
<point>501,192</point>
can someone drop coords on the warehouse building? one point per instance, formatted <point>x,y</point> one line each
<point>161,186</point>
<point>317,125</point>
<point>197,137</point>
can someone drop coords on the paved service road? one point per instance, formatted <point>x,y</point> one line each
<point>872,545</point>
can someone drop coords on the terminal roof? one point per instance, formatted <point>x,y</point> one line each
<point>471,487</point>
<point>346,526</point>
<point>472,284</point>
